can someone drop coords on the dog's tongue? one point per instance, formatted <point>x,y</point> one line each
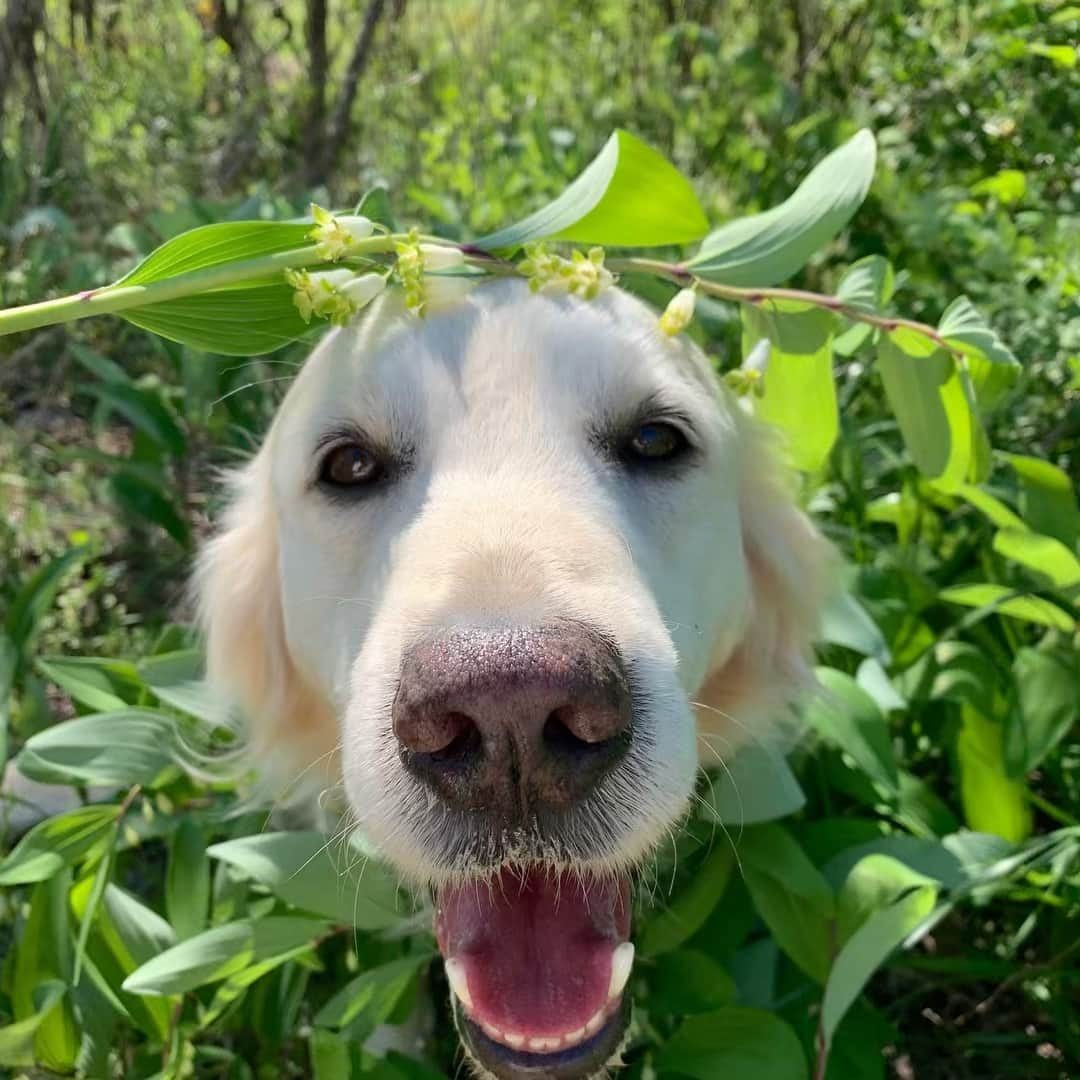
<point>538,959</point>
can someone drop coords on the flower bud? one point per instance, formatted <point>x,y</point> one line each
<point>441,257</point>
<point>363,289</point>
<point>679,312</point>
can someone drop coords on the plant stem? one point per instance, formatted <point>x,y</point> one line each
<point>680,275</point>
<point>120,297</point>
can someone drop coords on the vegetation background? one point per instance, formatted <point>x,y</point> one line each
<point>124,122</point>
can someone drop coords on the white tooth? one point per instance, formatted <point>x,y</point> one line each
<point>596,1022</point>
<point>622,960</point>
<point>543,1045</point>
<point>513,1039</point>
<point>459,983</point>
<point>574,1037</point>
<point>492,1032</point>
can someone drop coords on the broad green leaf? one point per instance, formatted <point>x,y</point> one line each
<point>100,366</point>
<point>628,196</point>
<point>844,621</point>
<point>55,843</point>
<point>1005,601</point>
<point>800,393</point>
<point>219,953</point>
<point>868,948</point>
<point>88,681</point>
<point>37,595</point>
<point>755,786</point>
<point>17,1040</point>
<point>874,882</point>
<point>177,678</point>
<point>929,396</point>
<point>686,982</point>
<point>1047,498</point>
<point>329,1054</point>
<point>369,999</point>
<point>734,1042</point>
<point>992,367</point>
<point>686,912</point>
<point>993,802</point>
<point>375,206</point>
<point>874,679</point>
<point>248,321</point>
<point>766,249</point>
<point>126,747</point>
<point>1007,186</point>
<point>790,895</point>
<point>1002,516</point>
<point>1045,709</point>
<point>144,410</point>
<point>94,894</point>
<point>965,675</point>
<point>867,286</point>
<point>308,870</point>
<point>187,880</point>
<point>1044,554</point>
<point>212,245</point>
<point>848,718</point>
<point>148,499</point>
<point>1062,56</point>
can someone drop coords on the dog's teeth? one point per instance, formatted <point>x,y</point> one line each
<point>513,1039</point>
<point>459,983</point>
<point>544,1045</point>
<point>492,1032</point>
<point>622,960</point>
<point>574,1037</point>
<point>596,1022</point>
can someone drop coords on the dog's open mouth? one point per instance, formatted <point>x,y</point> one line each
<point>538,961</point>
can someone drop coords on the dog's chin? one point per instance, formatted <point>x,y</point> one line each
<point>538,960</point>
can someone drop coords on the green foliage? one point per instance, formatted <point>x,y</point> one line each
<point>928,854</point>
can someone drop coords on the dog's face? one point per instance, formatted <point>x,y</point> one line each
<point>495,559</point>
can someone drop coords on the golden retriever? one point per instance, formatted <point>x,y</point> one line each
<point>505,564</point>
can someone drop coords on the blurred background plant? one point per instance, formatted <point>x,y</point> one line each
<point>122,124</point>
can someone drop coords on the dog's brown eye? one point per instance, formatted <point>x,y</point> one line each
<point>657,441</point>
<point>350,466</point>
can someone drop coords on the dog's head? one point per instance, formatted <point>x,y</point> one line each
<point>495,560</point>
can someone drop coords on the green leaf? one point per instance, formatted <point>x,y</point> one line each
<point>55,843</point>
<point>873,883</point>
<point>1062,56</point>
<point>369,999</point>
<point>868,948</point>
<point>848,718</point>
<point>300,868</point>
<point>1007,186</point>
<point>98,884</point>
<point>768,248</point>
<point>874,679</point>
<point>755,786</point>
<point>36,597</point>
<point>1005,601</point>
<point>219,953</point>
<point>126,747</point>
<point>734,1042</point>
<point>17,1040</point>
<point>992,367</point>
<point>929,396</point>
<point>1047,498</point>
<point>628,196</point>
<point>1045,555</point>
<point>1000,514</point>
<point>800,393</point>
<point>867,286</point>
<point>844,621</point>
<point>1045,709</point>
<point>329,1053</point>
<point>240,321</point>
<point>375,206</point>
<point>790,895</point>
<point>993,802</point>
<point>178,679</point>
<point>145,499</point>
<point>144,410</point>
<point>187,880</point>
<point>88,681</point>
<point>686,982</point>
<point>212,245</point>
<point>685,914</point>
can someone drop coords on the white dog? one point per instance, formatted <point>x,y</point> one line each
<point>493,562</point>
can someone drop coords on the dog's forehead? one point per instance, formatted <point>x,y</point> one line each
<point>503,349</point>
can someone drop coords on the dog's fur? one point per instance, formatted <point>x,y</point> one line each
<point>505,508</point>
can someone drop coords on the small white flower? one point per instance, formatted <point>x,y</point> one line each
<point>757,359</point>
<point>441,257</point>
<point>679,312</point>
<point>363,289</point>
<point>335,236</point>
<point>336,295</point>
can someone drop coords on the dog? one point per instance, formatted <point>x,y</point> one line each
<point>509,565</point>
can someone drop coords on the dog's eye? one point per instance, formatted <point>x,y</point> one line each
<point>656,441</point>
<point>350,465</point>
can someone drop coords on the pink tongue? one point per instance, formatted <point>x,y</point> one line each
<point>535,948</point>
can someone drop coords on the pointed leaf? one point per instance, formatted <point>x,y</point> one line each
<point>1006,601</point>
<point>768,248</point>
<point>1047,498</point>
<point>992,366</point>
<point>628,196</point>
<point>1046,707</point>
<point>993,802</point>
<point>369,999</point>
<point>1044,554</point>
<point>867,286</point>
<point>55,843</point>
<point>755,786</point>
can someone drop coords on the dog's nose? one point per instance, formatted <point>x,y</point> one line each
<point>513,721</point>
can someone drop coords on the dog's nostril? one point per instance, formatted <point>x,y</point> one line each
<point>465,744</point>
<point>433,733</point>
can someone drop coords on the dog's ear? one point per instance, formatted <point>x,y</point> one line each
<point>748,690</point>
<point>238,593</point>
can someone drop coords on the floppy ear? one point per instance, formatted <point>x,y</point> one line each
<point>787,559</point>
<point>238,592</point>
